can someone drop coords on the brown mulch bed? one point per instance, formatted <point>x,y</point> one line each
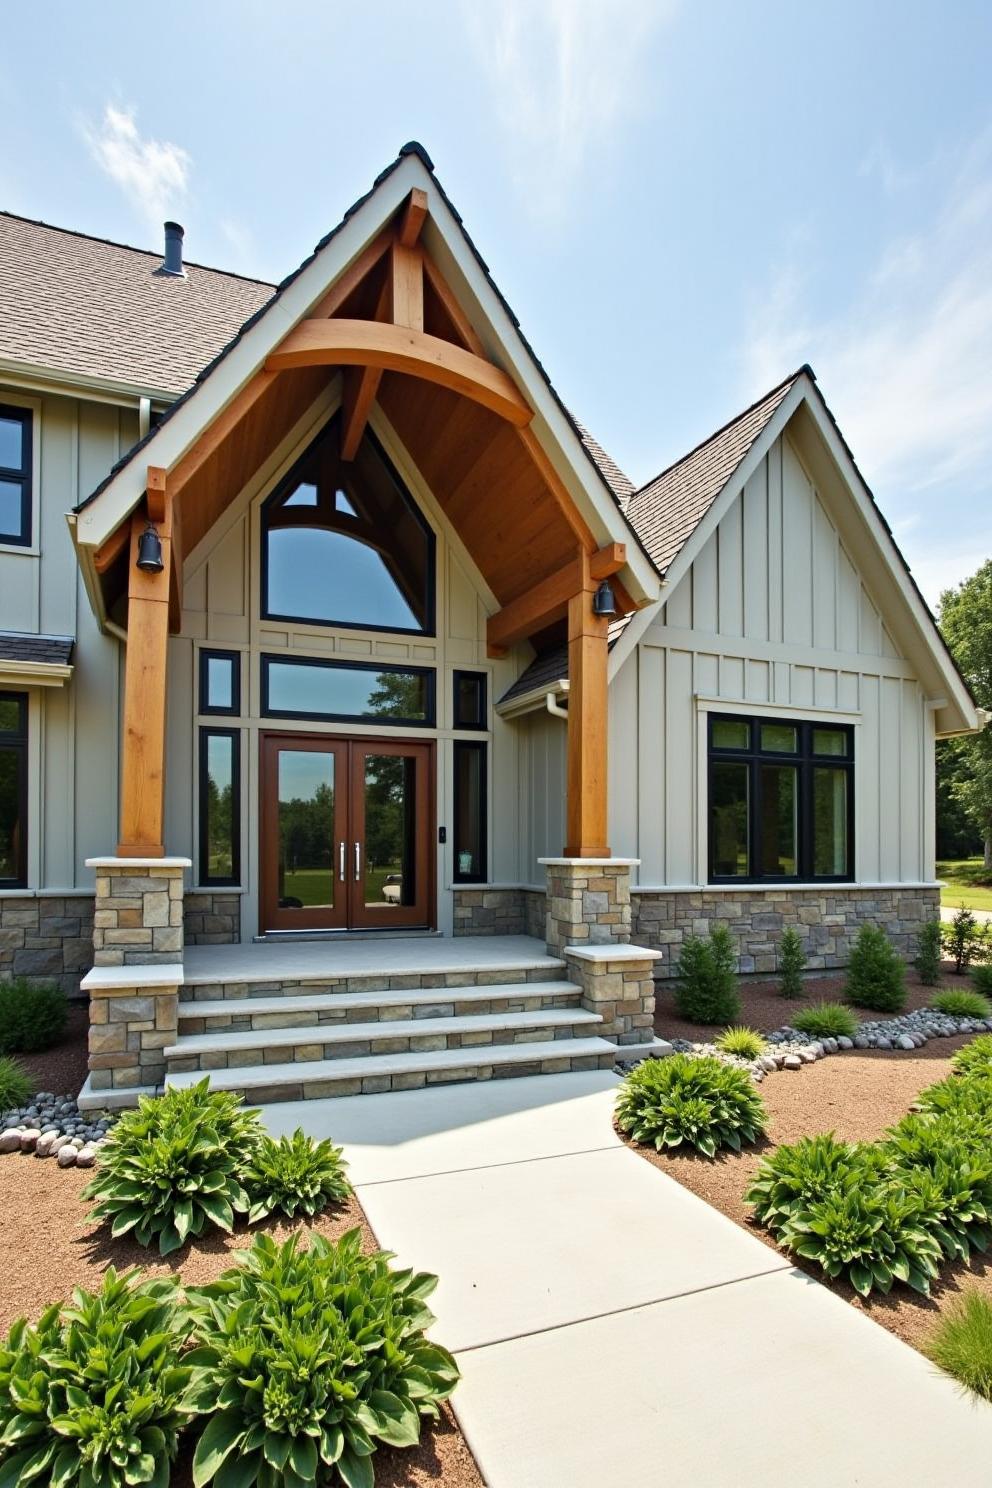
<point>62,1069</point>
<point>764,1009</point>
<point>49,1244</point>
<point>856,1095</point>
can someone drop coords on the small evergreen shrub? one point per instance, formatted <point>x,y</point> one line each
<point>961,1344</point>
<point>791,963</point>
<point>307,1360</point>
<point>172,1167</point>
<point>928,953</point>
<point>959,1002</point>
<point>90,1394</point>
<point>31,1017</point>
<point>967,941</point>
<point>876,977</point>
<point>826,1020</point>
<point>981,980</point>
<point>688,1100</point>
<point>294,1176</point>
<point>16,1084</point>
<point>706,991</point>
<point>975,1058</point>
<point>746,1043</point>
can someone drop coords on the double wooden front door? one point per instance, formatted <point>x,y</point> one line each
<point>347,827</point>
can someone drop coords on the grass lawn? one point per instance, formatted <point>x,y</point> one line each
<point>968,883</point>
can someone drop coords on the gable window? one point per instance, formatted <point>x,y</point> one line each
<point>15,475</point>
<point>781,800</point>
<point>13,789</point>
<point>343,543</point>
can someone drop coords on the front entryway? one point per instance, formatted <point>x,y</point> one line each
<point>347,828</point>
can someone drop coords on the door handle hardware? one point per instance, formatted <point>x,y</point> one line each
<point>341,861</point>
<point>358,861</point>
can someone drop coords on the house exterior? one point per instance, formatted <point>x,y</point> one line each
<point>321,616</point>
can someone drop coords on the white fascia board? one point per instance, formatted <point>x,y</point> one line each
<point>35,377</point>
<point>34,674</point>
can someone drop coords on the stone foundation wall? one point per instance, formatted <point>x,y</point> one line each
<point>46,939</point>
<point>828,919</point>
<point>132,1022</point>
<point>588,901</point>
<point>514,909</point>
<point>211,917</point>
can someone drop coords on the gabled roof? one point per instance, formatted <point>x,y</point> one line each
<point>621,485</point>
<point>40,650</point>
<point>87,307</point>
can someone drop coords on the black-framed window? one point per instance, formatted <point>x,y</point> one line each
<point>13,790</point>
<point>15,475</point>
<point>344,544</point>
<point>220,806</point>
<point>347,691</point>
<point>469,700</point>
<point>220,682</point>
<point>781,800</point>
<point>470,814</point>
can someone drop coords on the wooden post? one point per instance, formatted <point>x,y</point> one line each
<point>586,812</point>
<point>143,771</point>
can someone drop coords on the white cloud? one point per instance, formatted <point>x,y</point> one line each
<point>153,174</point>
<point>564,74</point>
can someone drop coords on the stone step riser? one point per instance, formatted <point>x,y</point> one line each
<point>245,991</point>
<point>242,1020</point>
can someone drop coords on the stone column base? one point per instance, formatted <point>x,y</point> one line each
<point>138,915</point>
<point>588,900</point>
<point>618,983</point>
<point>134,1016</point>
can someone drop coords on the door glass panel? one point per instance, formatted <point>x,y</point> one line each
<point>779,821</point>
<point>728,820</point>
<point>389,861</point>
<point>829,822</point>
<point>306,830</point>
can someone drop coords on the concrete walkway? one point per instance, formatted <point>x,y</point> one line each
<point>947,913</point>
<point>611,1327</point>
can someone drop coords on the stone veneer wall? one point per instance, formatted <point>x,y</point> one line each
<point>828,919</point>
<point>588,901</point>
<point>211,917</point>
<point>46,939</point>
<point>509,909</point>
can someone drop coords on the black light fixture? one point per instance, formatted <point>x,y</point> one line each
<point>603,603</point>
<point>150,551</point>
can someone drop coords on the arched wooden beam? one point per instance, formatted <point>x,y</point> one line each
<point>368,343</point>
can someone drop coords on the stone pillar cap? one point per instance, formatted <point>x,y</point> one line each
<point>139,863</point>
<point>612,951</point>
<point>589,862</point>
<point>163,974</point>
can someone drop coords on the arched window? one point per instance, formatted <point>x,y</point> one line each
<point>344,544</point>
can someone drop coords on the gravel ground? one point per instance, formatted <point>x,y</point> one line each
<point>856,1095</point>
<point>62,1068</point>
<point>48,1245</point>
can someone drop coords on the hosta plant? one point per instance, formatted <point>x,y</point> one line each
<point>16,1084</point>
<point>870,1237</point>
<point>694,1101</point>
<point>798,1174</point>
<point>306,1360</point>
<point>90,1394</point>
<point>172,1167</point>
<point>947,1163</point>
<point>968,1100</point>
<point>746,1043</point>
<point>975,1058</point>
<point>294,1175</point>
<point>826,1020</point>
<point>960,1002</point>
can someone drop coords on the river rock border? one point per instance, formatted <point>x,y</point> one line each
<point>53,1126</point>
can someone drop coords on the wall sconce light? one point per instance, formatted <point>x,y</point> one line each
<point>150,551</point>
<point>603,603</point>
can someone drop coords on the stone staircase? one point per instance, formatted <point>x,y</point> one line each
<point>319,1035</point>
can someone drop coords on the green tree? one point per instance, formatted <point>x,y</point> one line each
<point>966,622</point>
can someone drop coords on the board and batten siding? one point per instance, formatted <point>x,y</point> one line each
<point>773,615</point>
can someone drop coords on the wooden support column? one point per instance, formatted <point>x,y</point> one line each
<point>143,770</point>
<point>586,811</point>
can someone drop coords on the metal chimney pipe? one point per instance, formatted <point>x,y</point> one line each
<point>173,261</point>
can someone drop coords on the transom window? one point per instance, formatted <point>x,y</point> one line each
<point>344,544</point>
<point>781,800</point>
<point>15,475</point>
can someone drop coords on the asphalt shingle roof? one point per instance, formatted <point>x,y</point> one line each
<point>40,649</point>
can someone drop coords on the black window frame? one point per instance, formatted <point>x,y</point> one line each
<point>24,475</point>
<point>331,430</point>
<point>16,741</point>
<point>208,654</point>
<point>207,880</point>
<point>806,762</point>
<point>460,746</point>
<point>268,658</point>
<point>482,723</point>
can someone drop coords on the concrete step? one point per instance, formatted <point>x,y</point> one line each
<point>244,977</point>
<point>372,1073</point>
<point>287,1010</point>
<point>227,1050</point>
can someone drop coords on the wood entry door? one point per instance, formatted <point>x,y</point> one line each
<point>347,827</point>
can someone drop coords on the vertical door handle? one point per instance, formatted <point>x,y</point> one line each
<point>341,860</point>
<point>358,861</point>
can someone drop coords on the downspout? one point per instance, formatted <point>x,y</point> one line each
<point>554,706</point>
<point>144,417</point>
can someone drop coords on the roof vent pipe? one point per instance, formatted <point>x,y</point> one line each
<point>173,261</point>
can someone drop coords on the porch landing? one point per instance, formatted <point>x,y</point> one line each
<point>393,956</point>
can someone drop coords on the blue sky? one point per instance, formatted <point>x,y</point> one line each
<point>682,201</point>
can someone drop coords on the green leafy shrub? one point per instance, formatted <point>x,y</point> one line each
<point>967,940</point>
<point>171,1168</point>
<point>697,1101</point>
<point>968,1100</point>
<point>307,1360</point>
<point>876,977</point>
<point>791,963</point>
<point>975,1058</point>
<point>928,953</point>
<point>706,991</point>
<point>961,1343</point>
<point>90,1394</point>
<point>826,1020</point>
<point>870,1237</point>
<point>294,1176</point>
<point>746,1043</point>
<point>16,1084</point>
<point>959,1002</point>
<point>798,1174</point>
<point>981,980</point>
<point>31,1017</point>
<point>949,1168</point>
